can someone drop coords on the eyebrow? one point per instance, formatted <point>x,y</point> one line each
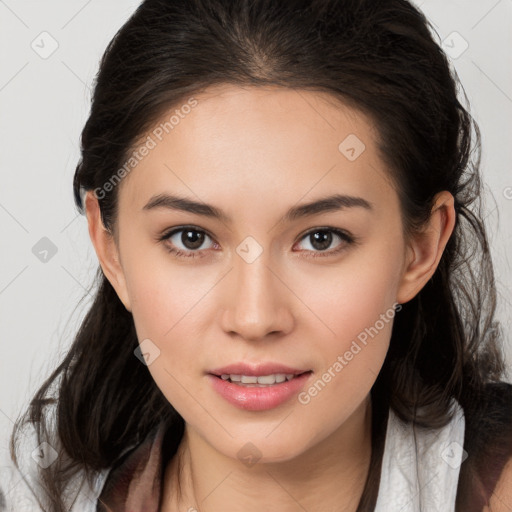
<point>331,203</point>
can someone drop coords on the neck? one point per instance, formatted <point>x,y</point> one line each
<point>329,476</point>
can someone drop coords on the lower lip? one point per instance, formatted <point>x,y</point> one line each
<point>256,398</point>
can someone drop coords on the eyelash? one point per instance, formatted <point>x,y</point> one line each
<point>348,239</point>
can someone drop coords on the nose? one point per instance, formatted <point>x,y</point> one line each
<point>258,301</point>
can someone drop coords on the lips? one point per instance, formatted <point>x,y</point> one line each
<point>251,397</point>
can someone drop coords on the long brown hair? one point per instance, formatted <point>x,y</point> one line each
<point>379,56</point>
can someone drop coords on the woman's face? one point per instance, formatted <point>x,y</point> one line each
<point>257,285</point>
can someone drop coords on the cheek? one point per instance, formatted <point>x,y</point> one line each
<point>353,305</point>
<point>167,303</point>
<point>164,296</point>
<point>352,295</point>
<point>165,309</point>
<point>359,312</point>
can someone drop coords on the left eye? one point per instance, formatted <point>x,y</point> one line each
<point>322,238</point>
<point>192,239</point>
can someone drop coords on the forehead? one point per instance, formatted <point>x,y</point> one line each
<point>255,143</point>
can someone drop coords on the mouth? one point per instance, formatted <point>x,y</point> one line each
<point>260,381</point>
<point>260,392</point>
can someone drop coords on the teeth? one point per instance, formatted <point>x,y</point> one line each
<point>262,379</point>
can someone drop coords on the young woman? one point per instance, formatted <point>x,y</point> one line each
<point>296,297</point>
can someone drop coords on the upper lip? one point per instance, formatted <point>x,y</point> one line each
<point>256,369</point>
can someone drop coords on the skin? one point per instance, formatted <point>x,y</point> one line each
<point>254,153</point>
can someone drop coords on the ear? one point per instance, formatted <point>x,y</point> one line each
<point>426,248</point>
<point>106,249</point>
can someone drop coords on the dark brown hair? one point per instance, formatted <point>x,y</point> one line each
<point>379,56</point>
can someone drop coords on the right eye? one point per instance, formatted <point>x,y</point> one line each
<point>190,237</point>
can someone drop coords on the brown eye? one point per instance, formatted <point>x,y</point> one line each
<point>185,241</point>
<point>321,239</point>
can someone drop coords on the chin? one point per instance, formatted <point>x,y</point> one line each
<point>259,449</point>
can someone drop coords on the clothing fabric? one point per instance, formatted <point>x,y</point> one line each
<point>405,485</point>
<point>429,486</point>
<point>454,468</point>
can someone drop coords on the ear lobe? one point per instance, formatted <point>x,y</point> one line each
<point>425,250</point>
<point>106,249</point>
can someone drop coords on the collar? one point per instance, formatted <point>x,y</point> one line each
<point>134,484</point>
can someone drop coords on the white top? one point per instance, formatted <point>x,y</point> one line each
<point>432,485</point>
<point>405,485</point>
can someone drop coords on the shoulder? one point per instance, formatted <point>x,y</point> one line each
<point>16,485</point>
<point>501,498</point>
<point>489,420</point>
<point>501,409</point>
<point>486,474</point>
<point>20,482</point>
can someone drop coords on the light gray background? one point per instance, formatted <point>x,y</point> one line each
<point>44,104</point>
